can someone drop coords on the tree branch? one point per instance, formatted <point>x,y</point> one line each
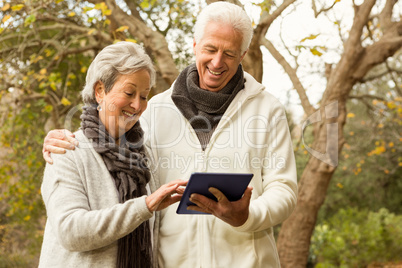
<point>236,2</point>
<point>378,52</point>
<point>341,79</point>
<point>133,9</point>
<point>267,19</point>
<point>154,42</point>
<point>317,13</point>
<point>386,14</point>
<point>353,45</point>
<point>366,96</point>
<point>308,108</point>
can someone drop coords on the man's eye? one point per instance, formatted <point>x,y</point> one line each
<point>129,94</point>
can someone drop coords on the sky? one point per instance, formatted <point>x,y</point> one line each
<point>296,24</point>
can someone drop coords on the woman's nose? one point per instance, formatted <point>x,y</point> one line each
<point>136,104</point>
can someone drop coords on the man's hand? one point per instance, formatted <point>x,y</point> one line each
<point>57,141</point>
<point>234,213</point>
<point>166,195</point>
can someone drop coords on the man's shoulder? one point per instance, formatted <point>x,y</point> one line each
<point>164,97</point>
<point>157,104</point>
<point>253,86</point>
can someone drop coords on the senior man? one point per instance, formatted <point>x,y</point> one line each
<point>218,118</point>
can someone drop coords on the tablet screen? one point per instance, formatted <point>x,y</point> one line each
<point>232,185</point>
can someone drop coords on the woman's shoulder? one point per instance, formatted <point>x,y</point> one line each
<point>83,141</point>
<point>83,150</point>
<point>80,136</point>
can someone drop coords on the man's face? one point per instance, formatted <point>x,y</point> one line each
<point>217,55</point>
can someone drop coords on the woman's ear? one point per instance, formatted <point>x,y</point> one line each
<point>99,91</point>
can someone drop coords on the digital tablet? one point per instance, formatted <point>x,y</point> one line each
<point>232,185</point>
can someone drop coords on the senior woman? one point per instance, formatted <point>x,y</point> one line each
<point>96,196</point>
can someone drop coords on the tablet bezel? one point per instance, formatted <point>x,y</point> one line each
<point>232,185</point>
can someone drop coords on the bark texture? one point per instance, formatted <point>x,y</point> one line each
<point>154,42</point>
<point>356,61</point>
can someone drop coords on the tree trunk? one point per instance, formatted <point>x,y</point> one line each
<point>252,62</point>
<point>154,43</point>
<point>296,231</point>
<point>356,60</point>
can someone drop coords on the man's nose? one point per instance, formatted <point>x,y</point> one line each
<point>217,60</point>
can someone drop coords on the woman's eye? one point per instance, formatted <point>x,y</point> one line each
<point>129,94</point>
<point>144,98</point>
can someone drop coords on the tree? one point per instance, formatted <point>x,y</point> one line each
<point>46,46</point>
<point>361,52</point>
<point>369,170</point>
<point>45,50</point>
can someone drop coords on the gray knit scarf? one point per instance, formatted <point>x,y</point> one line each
<point>127,165</point>
<point>202,108</point>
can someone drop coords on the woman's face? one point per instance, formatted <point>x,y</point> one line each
<point>124,104</point>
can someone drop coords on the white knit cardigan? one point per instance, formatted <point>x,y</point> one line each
<point>85,218</point>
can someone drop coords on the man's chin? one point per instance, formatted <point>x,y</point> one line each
<point>213,87</point>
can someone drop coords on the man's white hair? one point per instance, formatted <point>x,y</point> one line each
<point>225,13</point>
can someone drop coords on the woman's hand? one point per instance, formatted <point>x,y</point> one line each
<point>166,195</point>
<point>57,141</point>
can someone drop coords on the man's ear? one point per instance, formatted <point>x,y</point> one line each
<point>244,54</point>
<point>99,91</point>
<point>194,44</point>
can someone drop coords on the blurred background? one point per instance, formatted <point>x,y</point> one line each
<point>310,54</point>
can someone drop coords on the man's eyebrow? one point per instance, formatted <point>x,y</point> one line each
<point>226,50</point>
<point>209,46</point>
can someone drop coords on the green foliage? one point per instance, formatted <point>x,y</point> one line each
<point>370,168</point>
<point>353,238</point>
<point>22,213</point>
<point>359,223</point>
<point>177,28</point>
<point>349,232</point>
<point>45,50</point>
<point>42,74</point>
<point>13,261</point>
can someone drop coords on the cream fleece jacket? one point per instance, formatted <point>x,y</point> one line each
<point>252,137</point>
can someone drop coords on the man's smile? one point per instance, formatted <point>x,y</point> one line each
<point>214,73</point>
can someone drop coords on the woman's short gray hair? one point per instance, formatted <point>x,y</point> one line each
<point>225,13</point>
<point>113,61</point>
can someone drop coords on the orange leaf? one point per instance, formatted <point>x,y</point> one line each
<point>6,7</point>
<point>6,18</point>
<point>122,29</point>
